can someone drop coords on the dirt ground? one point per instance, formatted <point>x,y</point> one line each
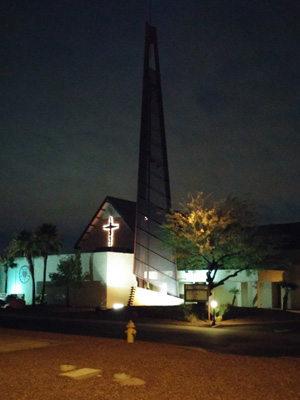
<point>169,372</point>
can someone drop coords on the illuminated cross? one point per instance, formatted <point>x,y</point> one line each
<point>110,227</point>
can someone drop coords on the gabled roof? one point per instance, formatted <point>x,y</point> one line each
<point>126,209</point>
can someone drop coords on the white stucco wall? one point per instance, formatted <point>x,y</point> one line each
<point>120,278</point>
<point>95,264</point>
<point>115,272</point>
<point>15,286</point>
<point>145,297</point>
<point>92,263</point>
<point>270,296</point>
<point>221,293</point>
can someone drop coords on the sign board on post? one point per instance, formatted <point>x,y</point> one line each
<point>196,292</point>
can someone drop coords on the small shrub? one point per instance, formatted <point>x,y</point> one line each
<point>221,309</point>
<point>191,318</point>
<point>186,309</point>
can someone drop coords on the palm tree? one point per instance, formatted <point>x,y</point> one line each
<point>7,262</point>
<point>288,287</point>
<point>49,243</point>
<point>235,292</point>
<point>25,244</point>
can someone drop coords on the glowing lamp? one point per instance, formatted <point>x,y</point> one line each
<point>117,306</point>
<point>214,304</point>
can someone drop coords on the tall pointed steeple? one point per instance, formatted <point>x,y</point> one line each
<point>152,264</point>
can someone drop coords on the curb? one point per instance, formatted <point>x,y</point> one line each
<point>255,323</point>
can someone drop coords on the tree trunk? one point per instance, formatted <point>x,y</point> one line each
<point>68,296</point>
<point>44,280</point>
<point>233,300</point>
<point>5,287</point>
<point>31,268</point>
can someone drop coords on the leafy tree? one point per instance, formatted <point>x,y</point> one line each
<point>25,244</point>
<point>215,235</point>
<point>49,243</point>
<point>7,262</point>
<point>69,274</point>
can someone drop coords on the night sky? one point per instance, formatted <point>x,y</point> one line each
<point>70,105</point>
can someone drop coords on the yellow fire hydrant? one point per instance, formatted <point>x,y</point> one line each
<point>131,332</point>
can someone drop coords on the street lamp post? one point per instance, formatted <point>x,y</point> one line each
<point>213,306</point>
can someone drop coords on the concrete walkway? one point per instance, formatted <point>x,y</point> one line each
<point>15,343</point>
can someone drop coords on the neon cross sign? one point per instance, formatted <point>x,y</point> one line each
<point>110,227</point>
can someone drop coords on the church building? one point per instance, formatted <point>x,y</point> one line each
<point>121,250</point>
<point>122,254</point>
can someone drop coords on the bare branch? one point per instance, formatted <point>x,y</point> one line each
<point>222,281</point>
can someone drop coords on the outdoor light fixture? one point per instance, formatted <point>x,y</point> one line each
<point>117,306</point>
<point>213,305</point>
